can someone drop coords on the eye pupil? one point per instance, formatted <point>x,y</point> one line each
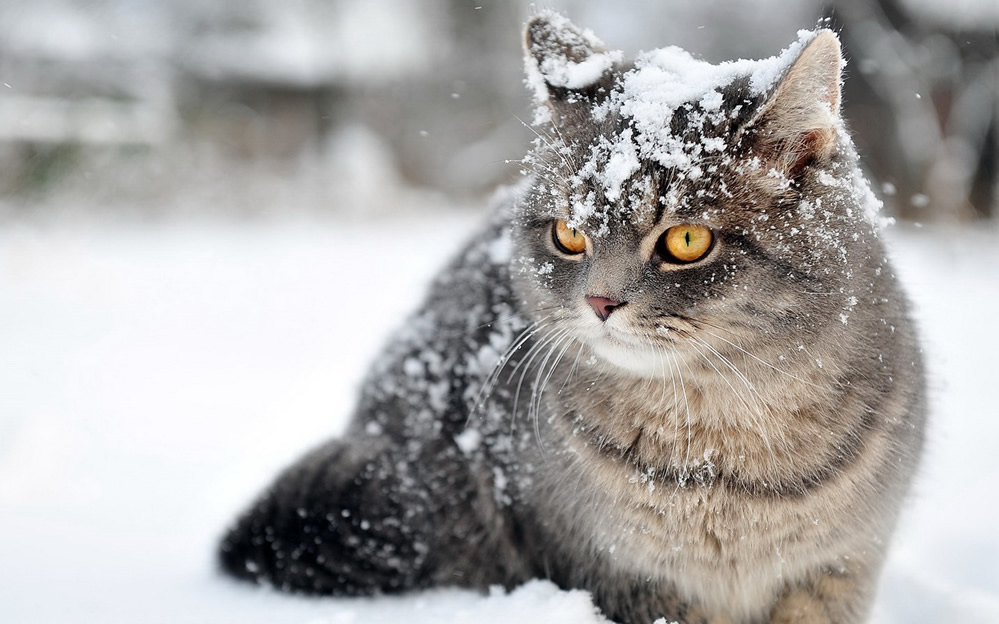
<point>686,237</point>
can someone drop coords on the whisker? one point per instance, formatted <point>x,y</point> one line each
<point>751,355</point>
<point>547,141</point>
<point>531,355</point>
<point>754,414</point>
<point>505,318</point>
<point>728,363</point>
<point>683,474</point>
<point>538,393</point>
<point>490,381</point>
<point>676,413</point>
<point>572,161</point>
<point>572,369</point>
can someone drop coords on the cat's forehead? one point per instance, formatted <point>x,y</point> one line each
<point>662,130</point>
<point>650,200</point>
<point>606,197</point>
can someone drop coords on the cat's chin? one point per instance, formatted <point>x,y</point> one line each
<point>635,359</point>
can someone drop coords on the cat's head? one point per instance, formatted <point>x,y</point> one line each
<point>677,206</point>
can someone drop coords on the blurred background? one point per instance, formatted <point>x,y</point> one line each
<point>143,108</point>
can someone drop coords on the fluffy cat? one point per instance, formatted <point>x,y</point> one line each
<point>674,369</point>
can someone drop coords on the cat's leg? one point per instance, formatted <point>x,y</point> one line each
<point>835,595</point>
<point>362,516</point>
<point>631,600</point>
<point>832,596</point>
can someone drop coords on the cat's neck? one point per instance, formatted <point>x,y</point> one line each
<point>742,418</point>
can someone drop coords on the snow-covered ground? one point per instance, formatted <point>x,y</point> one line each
<point>154,377</point>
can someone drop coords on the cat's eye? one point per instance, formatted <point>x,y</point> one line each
<point>568,239</point>
<point>686,243</point>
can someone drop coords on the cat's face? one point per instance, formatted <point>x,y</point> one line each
<point>668,220</point>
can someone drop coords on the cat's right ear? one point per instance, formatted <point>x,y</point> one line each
<point>565,65</point>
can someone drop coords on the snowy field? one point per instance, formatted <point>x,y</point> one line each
<point>154,377</point>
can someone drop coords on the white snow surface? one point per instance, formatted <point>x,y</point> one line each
<point>153,378</point>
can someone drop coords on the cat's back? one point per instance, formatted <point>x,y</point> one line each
<point>429,376</point>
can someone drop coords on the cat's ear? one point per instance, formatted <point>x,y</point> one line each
<point>565,64</point>
<point>797,124</point>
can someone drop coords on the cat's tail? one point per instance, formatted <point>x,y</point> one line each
<point>334,523</point>
<point>358,517</point>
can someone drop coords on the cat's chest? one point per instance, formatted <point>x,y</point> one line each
<point>726,550</point>
<point>716,496</point>
<point>702,506</point>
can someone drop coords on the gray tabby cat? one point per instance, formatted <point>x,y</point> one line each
<point>674,370</point>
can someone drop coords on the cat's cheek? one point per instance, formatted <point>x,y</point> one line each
<point>538,271</point>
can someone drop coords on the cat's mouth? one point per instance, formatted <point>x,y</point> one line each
<point>621,337</point>
<point>632,353</point>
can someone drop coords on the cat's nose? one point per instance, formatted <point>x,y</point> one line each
<point>603,306</point>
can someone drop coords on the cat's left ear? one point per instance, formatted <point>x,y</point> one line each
<point>797,124</point>
<point>566,65</point>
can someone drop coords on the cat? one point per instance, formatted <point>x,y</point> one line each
<point>673,369</point>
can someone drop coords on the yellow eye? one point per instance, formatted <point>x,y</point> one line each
<point>568,240</point>
<point>688,242</point>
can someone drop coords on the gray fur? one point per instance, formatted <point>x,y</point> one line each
<point>732,445</point>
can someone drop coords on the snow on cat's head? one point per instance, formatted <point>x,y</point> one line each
<point>669,195</point>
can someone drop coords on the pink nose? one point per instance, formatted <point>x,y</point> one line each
<point>603,306</point>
